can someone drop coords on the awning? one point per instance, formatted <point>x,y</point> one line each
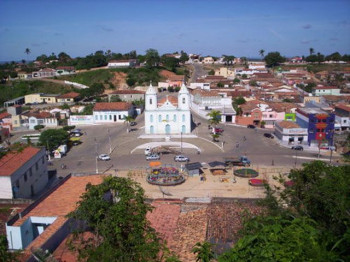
<point>155,163</point>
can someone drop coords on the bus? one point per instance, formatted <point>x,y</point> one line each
<point>31,137</point>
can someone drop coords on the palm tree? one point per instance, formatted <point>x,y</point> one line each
<point>262,52</point>
<point>27,51</point>
<point>215,117</point>
<point>311,50</point>
<point>128,120</point>
<point>203,252</point>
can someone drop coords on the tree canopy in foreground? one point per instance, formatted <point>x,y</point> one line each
<point>114,214</point>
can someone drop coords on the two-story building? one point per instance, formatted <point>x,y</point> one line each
<point>23,174</point>
<point>319,124</point>
<point>342,115</point>
<point>290,132</point>
<point>326,90</point>
<point>112,112</point>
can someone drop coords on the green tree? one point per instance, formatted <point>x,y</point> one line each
<point>236,102</point>
<point>211,72</point>
<point>228,59</point>
<point>128,120</point>
<point>53,138</point>
<point>279,239</point>
<point>116,98</point>
<point>184,57</point>
<point>203,252</point>
<point>236,80</point>
<point>214,117</point>
<point>114,212</point>
<point>261,53</point>
<point>152,58</point>
<point>39,127</point>
<point>273,59</point>
<point>312,51</point>
<point>27,51</point>
<point>170,63</point>
<point>5,255</point>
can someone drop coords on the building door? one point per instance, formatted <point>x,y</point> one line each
<point>152,129</point>
<point>183,129</point>
<point>167,129</point>
<point>32,190</point>
<point>115,118</point>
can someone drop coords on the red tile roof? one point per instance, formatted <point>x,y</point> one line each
<point>4,115</point>
<point>172,99</point>
<point>39,115</point>
<point>205,93</point>
<point>14,160</point>
<point>345,107</point>
<point>69,95</point>
<point>113,106</point>
<point>288,124</point>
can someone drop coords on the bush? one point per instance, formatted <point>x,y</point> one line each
<point>38,127</point>
<point>67,128</point>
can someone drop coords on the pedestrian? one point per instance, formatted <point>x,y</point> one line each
<point>244,138</point>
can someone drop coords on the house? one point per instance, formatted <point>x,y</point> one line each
<point>65,70</point>
<point>6,120</point>
<point>127,95</point>
<point>24,75</point>
<point>200,85</point>
<point>172,81</point>
<point>45,224</point>
<point>290,132</point>
<point>121,63</point>
<point>40,98</point>
<point>44,72</point>
<point>112,112</point>
<point>208,60</point>
<point>326,90</point>
<point>16,101</point>
<point>193,169</point>
<point>319,124</point>
<point>250,113</point>
<point>169,115</point>
<point>39,118</point>
<point>203,101</point>
<point>23,174</point>
<point>257,65</point>
<point>225,72</point>
<point>342,115</point>
<point>68,98</point>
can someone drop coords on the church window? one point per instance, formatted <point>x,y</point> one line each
<point>160,118</point>
<point>150,101</point>
<point>174,118</point>
<point>183,100</point>
<point>183,118</point>
<point>167,117</point>
<point>151,118</point>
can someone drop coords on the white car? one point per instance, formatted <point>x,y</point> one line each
<point>153,157</point>
<point>148,150</point>
<point>181,158</point>
<point>104,157</point>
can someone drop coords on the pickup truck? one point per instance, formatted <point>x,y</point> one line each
<point>237,161</point>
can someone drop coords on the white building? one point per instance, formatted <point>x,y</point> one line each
<point>23,174</point>
<point>112,112</point>
<point>121,63</point>
<point>169,115</point>
<point>39,118</point>
<point>326,90</point>
<point>290,132</point>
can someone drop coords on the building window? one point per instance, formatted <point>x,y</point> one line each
<point>183,118</point>
<point>160,118</point>
<point>151,118</point>
<point>96,117</point>
<point>150,101</point>
<point>110,117</point>
<point>167,117</point>
<point>270,116</point>
<point>100,117</point>
<point>174,118</point>
<point>119,117</point>
<point>183,100</point>
<point>25,177</point>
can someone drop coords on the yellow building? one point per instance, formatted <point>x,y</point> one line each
<point>225,72</point>
<point>40,98</point>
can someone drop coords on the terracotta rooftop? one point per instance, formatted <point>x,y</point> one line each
<point>127,91</point>
<point>345,107</point>
<point>113,106</point>
<point>4,115</point>
<point>69,95</point>
<point>38,115</point>
<point>205,93</point>
<point>288,124</point>
<point>282,106</point>
<point>14,160</point>
<point>172,99</point>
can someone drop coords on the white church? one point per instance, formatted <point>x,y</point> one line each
<point>170,115</point>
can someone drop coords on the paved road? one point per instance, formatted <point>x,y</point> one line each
<point>198,71</point>
<point>261,150</point>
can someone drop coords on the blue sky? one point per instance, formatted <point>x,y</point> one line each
<point>239,28</point>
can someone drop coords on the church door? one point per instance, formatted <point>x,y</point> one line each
<point>167,129</point>
<point>183,129</point>
<point>152,129</point>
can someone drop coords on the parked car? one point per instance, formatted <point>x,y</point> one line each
<point>327,148</point>
<point>148,150</point>
<point>153,157</point>
<point>133,123</point>
<point>181,158</point>
<point>251,126</point>
<point>104,157</point>
<point>268,135</point>
<point>300,148</point>
<point>217,130</point>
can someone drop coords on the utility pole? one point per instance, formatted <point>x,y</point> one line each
<point>181,142</point>
<point>96,156</point>
<point>296,158</point>
<point>110,144</point>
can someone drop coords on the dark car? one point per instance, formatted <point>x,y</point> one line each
<point>268,135</point>
<point>300,148</point>
<point>133,123</point>
<point>251,126</point>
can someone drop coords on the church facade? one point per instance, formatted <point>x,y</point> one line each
<point>169,115</point>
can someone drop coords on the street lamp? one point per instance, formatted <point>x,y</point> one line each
<point>181,142</point>
<point>110,145</point>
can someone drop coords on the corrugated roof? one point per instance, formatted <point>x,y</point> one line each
<point>288,124</point>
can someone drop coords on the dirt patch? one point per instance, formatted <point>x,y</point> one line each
<point>166,74</point>
<point>119,80</point>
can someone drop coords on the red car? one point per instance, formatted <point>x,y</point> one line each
<point>217,130</point>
